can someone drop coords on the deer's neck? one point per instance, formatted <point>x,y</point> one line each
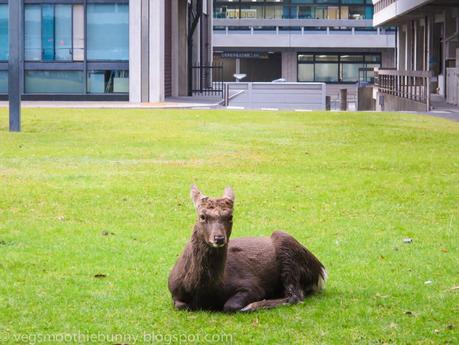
<point>207,264</point>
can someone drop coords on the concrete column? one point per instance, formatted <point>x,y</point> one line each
<point>145,51</point>
<point>457,58</point>
<point>409,47</point>
<point>289,66</point>
<point>135,59</point>
<point>157,14</point>
<point>415,45</point>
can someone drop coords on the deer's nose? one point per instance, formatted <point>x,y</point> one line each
<point>219,240</point>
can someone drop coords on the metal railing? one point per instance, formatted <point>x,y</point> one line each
<point>410,85</point>
<point>297,26</point>
<point>208,80</point>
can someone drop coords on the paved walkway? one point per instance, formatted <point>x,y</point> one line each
<point>170,103</point>
<point>442,109</point>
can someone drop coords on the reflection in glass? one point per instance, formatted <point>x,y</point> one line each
<point>54,82</point>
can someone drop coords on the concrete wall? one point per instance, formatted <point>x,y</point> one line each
<point>270,40</point>
<point>310,96</point>
<point>135,52</point>
<point>388,58</point>
<point>394,103</point>
<point>397,9</point>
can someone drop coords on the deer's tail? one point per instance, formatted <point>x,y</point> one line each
<point>301,272</point>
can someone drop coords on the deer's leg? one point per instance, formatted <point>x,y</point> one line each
<point>238,301</point>
<point>267,304</point>
<point>179,305</point>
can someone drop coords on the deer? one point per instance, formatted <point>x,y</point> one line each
<point>245,274</point>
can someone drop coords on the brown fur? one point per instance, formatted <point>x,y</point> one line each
<point>242,274</point>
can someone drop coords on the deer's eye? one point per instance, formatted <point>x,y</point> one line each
<point>202,218</point>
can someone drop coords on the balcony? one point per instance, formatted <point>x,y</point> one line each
<point>300,33</point>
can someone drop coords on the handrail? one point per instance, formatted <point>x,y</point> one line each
<point>411,85</point>
<point>395,72</point>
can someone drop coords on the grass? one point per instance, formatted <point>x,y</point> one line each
<point>106,192</point>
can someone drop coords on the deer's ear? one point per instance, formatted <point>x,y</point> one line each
<point>196,196</point>
<point>229,194</point>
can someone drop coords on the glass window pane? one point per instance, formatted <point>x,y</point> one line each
<point>47,32</point>
<point>32,33</point>
<point>4,32</point>
<point>350,72</point>
<point>326,72</point>
<point>373,58</point>
<point>108,81</point>
<point>326,57</point>
<point>54,82</point>
<point>251,11</point>
<point>108,31</point>
<point>371,74</point>
<point>78,33</point>
<point>3,81</point>
<point>304,57</point>
<point>352,58</point>
<point>356,12</point>
<point>63,42</point>
<point>306,72</point>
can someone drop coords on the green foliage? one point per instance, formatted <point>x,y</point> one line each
<point>86,193</point>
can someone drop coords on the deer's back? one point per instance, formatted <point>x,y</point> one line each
<point>252,264</point>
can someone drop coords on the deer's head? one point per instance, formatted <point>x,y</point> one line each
<point>215,217</point>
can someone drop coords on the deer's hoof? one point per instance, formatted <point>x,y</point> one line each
<point>248,308</point>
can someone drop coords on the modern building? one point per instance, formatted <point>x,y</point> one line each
<point>137,50</point>
<point>427,64</point>
<point>300,40</point>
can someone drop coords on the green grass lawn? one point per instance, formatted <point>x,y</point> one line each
<point>106,192</point>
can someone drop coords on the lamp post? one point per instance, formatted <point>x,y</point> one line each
<point>14,63</point>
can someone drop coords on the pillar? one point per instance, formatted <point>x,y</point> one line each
<point>146,51</point>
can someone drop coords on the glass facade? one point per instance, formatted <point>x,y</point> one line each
<point>335,68</point>
<point>48,32</point>
<point>4,48</point>
<point>293,9</point>
<point>3,81</point>
<point>54,82</point>
<point>108,81</point>
<point>71,48</point>
<point>108,32</point>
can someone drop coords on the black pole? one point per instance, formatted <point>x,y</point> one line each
<point>14,71</point>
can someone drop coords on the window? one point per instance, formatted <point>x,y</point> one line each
<point>108,81</point>
<point>48,31</point>
<point>3,81</point>
<point>306,72</point>
<point>336,68</point>
<point>63,34</point>
<point>294,9</point>
<point>32,33</point>
<point>350,72</point>
<point>326,72</point>
<point>4,48</point>
<point>54,82</point>
<point>108,32</point>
